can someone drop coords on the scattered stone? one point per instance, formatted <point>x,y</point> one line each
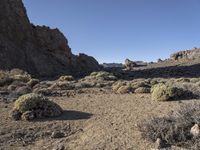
<point>28,115</point>
<point>195,131</point>
<point>57,134</point>
<point>23,90</point>
<point>143,90</point>
<point>159,144</point>
<point>15,114</point>
<point>59,147</point>
<point>11,87</point>
<point>33,82</point>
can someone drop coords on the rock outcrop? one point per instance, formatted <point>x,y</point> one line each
<point>130,64</point>
<point>186,55</point>
<point>41,51</point>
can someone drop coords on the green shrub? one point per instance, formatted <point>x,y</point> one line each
<point>37,106</point>
<point>164,92</point>
<point>18,74</point>
<point>5,78</point>
<point>102,75</point>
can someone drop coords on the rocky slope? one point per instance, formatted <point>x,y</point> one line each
<point>41,51</point>
<point>186,55</point>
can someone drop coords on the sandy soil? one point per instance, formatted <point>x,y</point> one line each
<point>100,120</point>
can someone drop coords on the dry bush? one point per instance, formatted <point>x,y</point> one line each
<point>5,78</point>
<point>102,75</point>
<point>66,78</point>
<point>32,106</point>
<point>171,90</point>
<point>165,92</point>
<point>173,129</point>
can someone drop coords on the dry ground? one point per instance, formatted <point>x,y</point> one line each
<point>98,120</point>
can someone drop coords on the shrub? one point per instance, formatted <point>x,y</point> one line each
<point>143,90</point>
<point>194,80</point>
<point>117,85</point>
<point>43,91</point>
<point>124,89</point>
<point>164,92</point>
<point>102,75</point>
<point>23,90</point>
<point>62,86</point>
<point>18,74</point>
<point>183,80</point>
<point>66,78</point>
<point>174,128</point>
<point>36,106</point>
<point>137,84</point>
<point>5,78</point>
<point>33,82</point>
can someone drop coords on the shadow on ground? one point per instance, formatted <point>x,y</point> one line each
<point>191,71</point>
<point>74,115</point>
<point>69,115</point>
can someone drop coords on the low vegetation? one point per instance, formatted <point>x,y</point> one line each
<point>66,78</point>
<point>32,106</point>
<point>102,75</point>
<point>164,92</point>
<point>180,128</point>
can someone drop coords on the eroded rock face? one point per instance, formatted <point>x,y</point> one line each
<point>186,55</point>
<point>39,50</point>
<point>130,64</point>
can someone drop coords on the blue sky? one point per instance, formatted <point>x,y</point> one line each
<point>112,30</point>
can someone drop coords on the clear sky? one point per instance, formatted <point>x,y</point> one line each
<point>112,30</point>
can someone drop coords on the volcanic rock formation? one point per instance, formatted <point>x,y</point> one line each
<point>41,51</point>
<point>186,55</point>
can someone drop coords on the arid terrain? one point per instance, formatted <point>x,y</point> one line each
<point>95,116</point>
<point>51,99</point>
<point>91,121</point>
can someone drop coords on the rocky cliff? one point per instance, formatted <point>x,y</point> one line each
<point>41,51</point>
